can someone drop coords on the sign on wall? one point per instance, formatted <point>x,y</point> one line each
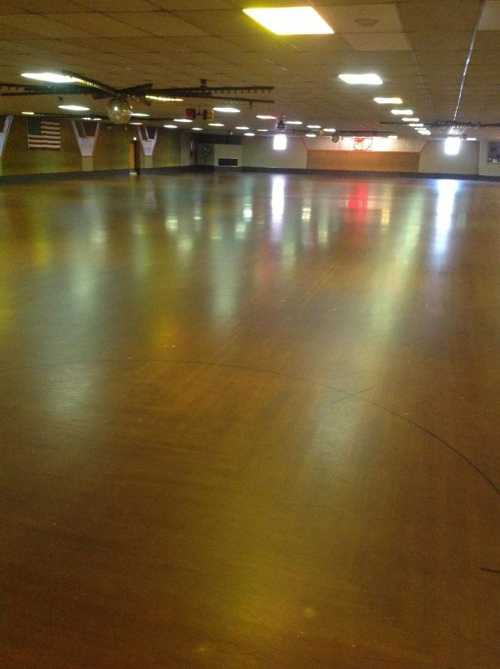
<point>494,152</point>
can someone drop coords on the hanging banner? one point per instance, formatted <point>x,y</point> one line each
<point>147,136</point>
<point>5,125</point>
<point>86,142</point>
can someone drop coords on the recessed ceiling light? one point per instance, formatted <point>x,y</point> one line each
<point>182,120</point>
<point>293,122</point>
<point>226,110</point>
<point>266,117</point>
<point>402,112</point>
<point>416,125</point>
<point>242,127</point>
<point>411,119</point>
<point>217,125</point>
<point>28,113</point>
<point>329,129</point>
<point>249,134</point>
<point>471,139</point>
<point>51,77</point>
<point>290,20</point>
<point>73,107</point>
<point>135,123</point>
<point>314,127</point>
<point>388,101</point>
<point>365,79</point>
<point>424,131</point>
<point>311,134</point>
<point>170,126</point>
<point>140,114</point>
<point>261,129</point>
<point>162,98</point>
<point>197,129</point>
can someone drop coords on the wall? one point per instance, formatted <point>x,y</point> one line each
<point>228,151</point>
<point>258,152</point>
<point>486,168</point>
<point>433,159</point>
<point>168,149</point>
<point>371,161</point>
<point>17,159</point>
<point>111,151</point>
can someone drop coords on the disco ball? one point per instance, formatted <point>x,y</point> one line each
<point>119,111</point>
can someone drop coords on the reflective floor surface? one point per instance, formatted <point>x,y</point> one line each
<point>250,422</point>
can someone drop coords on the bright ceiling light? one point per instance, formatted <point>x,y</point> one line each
<point>183,120</point>
<point>226,110</point>
<point>424,131</point>
<point>392,137</point>
<point>242,127</point>
<point>170,126</point>
<point>74,107</point>
<point>134,122</point>
<point>329,129</point>
<point>314,127</point>
<point>290,20</point>
<point>28,113</point>
<point>388,101</point>
<point>311,134</point>
<point>452,146</point>
<point>216,125</point>
<point>402,112</point>
<point>197,129</point>
<point>163,98</point>
<point>51,77</point>
<point>262,130</point>
<point>471,139</point>
<point>249,134</point>
<point>280,142</point>
<point>293,122</point>
<point>411,119</point>
<point>266,117</point>
<point>140,114</point>
<point>365,79</point>
<point>416,125</point>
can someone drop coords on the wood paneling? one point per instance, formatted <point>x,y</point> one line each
<point>353,161</point>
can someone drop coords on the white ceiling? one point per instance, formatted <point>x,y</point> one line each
<point>419,47</point>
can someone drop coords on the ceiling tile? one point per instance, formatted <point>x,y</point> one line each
<point>159,23</point>
<point>378,41</point>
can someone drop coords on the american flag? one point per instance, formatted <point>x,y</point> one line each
<point>43,134</point>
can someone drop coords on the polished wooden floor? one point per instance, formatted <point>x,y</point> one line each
<point>250,422</point>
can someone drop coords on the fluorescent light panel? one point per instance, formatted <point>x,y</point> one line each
<point>74,107</point>
<point>140,114</point>
<point>314,127</point>
<point>266,117</point>
<point>242,127</point>
<point>51,77</point>
<point>388,101</point>
<point>182,120</point>
<point>162,98</point>
<point>216,125</point>
<point>363,79</point>
<point>329,129</point>
<point>293,122</point>
<point>402,112</point>
<point>411,119</point>
<point>226,110</point>
<point>290,20</point>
